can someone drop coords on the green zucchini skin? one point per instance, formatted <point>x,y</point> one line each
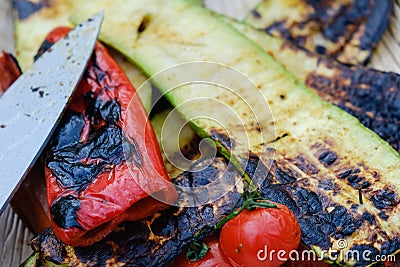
<point>370,95</point>
<point>315,141</point>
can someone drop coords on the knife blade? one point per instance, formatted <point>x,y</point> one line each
<point>31,108</point>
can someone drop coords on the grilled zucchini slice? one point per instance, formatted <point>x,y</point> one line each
<point>35,20</point>
<point>325,150</point>
<point>372,96</point>
<point>346,29</point>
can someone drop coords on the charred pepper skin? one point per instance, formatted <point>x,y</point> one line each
<point>91,187</point>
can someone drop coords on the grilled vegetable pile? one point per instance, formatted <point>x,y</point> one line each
<point>337,178</point>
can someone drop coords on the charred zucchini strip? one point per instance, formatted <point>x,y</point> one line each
<point>346,29</point>
<point>371,96</point>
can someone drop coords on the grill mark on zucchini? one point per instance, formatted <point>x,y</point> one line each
<point>372,96</point>
<point>348,29</point>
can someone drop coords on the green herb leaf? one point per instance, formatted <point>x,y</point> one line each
<point>196,251</point>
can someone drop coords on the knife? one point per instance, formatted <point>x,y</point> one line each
<point>31,108</point>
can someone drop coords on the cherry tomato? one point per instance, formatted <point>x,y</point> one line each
<point>214,257</point>
<point>260,237</point>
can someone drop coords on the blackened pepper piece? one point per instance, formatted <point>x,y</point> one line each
<point>69,131</point>
<point>71,165</point>
<point>65,210</point>
<point>108,110</point>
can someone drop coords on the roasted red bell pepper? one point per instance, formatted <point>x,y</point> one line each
<point>9,71</point>
<point>92,181</point>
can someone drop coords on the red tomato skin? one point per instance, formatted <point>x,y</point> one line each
<point>214,257</point>
<point>248,236</point>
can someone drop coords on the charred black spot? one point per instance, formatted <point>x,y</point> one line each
<point>345,174</point>
<point>69,131</point>
<point>283,176</point>
<point>320,49</point>
<point>204,176</point>
<point>34,89</point>
<point>26,8</point>
<point>342,220</point>
<point>326,185</point>
<point>389,247</point>
<point>279,138</point>
<point>191,150</point>
<point>43,48</point>
<point>256,170</point>
<point>383,199</point>
<point>101,252</point>
<point>328,158</point>
<point>223,139</point>
<point>312,234</point>
<point>64,211</point>
<point>144,24</point>
<point>373,29</point>
<point>256,14</point>
<point>308,201</point>
<point>337,224</point>
<point>383,215</point>
<point>279,194</point>
<point>132,152</point>
<point>370,254</point>
<point>371,96</point>
<point>354,206</point>
<point>366,217</point>
<point>161,226</point>
<point>356,24</point>
<point>305,165</point>
<point>68,163</point>
<point>279,28</point>
<point>108,110</point>
<point>354,180</point>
